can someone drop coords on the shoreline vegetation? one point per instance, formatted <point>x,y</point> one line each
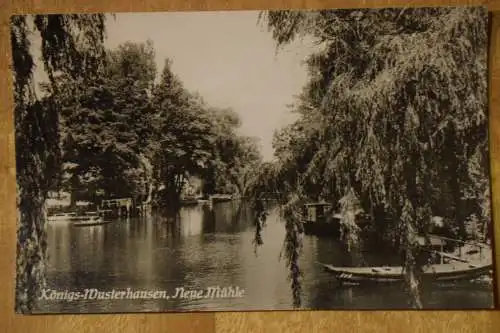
<point>392,123</point>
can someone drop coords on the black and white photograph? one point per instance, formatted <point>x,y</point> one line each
<point>253,160</point>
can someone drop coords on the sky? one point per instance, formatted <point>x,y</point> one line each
<point>228,58</point>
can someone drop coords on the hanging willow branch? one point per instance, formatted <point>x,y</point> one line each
<point>400,99</point>
<point>70,44</point>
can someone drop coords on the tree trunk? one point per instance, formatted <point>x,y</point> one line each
<point>410,221</point>
<point>150,187</point>
<point>74,189</point>
<point>31,247</point>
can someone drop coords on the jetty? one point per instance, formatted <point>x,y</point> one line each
<point>116,208</point>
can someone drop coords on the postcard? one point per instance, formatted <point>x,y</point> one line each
<point>253,160</point>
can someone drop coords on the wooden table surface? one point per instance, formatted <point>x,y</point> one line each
<point>287,321</point>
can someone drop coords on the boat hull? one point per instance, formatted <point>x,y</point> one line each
<point>58,219</point>
<point>321,229</point>
<point>89,223</point>
<point>74,217</point>
<point>387,275</point>
<point>189,202</point>
<point>65,217</point>
<point>217,198</point>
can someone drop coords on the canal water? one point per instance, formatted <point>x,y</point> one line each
<point>208,247</point>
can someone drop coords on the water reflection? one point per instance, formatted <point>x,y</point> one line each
<point>208,246</point>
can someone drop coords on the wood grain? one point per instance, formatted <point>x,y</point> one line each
<point>300,321</point>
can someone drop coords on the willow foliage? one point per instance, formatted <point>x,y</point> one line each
<point>71,45</point>
<point>394,114</point>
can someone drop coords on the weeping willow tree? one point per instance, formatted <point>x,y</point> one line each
<point>68,45</point>
<point>393,118</point>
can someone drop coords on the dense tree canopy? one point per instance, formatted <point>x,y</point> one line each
<point>125,135</point>
<point>234,157</point>
<point>104,124</point>
<point>394,116</point>
<point>196,139</point>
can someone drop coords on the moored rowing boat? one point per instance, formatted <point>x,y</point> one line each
<point>61,217</point>
<point>90,221</point>
<point>449,272</point>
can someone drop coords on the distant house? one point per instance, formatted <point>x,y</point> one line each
<point>62,200</point>
<point>58,199</point>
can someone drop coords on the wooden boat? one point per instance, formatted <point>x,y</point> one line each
<point>61,217</point>
<point>470,261</point>
<point>90,221</point>
<point>450,272</point>
<point>315,221</point>
<point>221,198</point>
<point>189,201</point>
<point>331,229</point>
